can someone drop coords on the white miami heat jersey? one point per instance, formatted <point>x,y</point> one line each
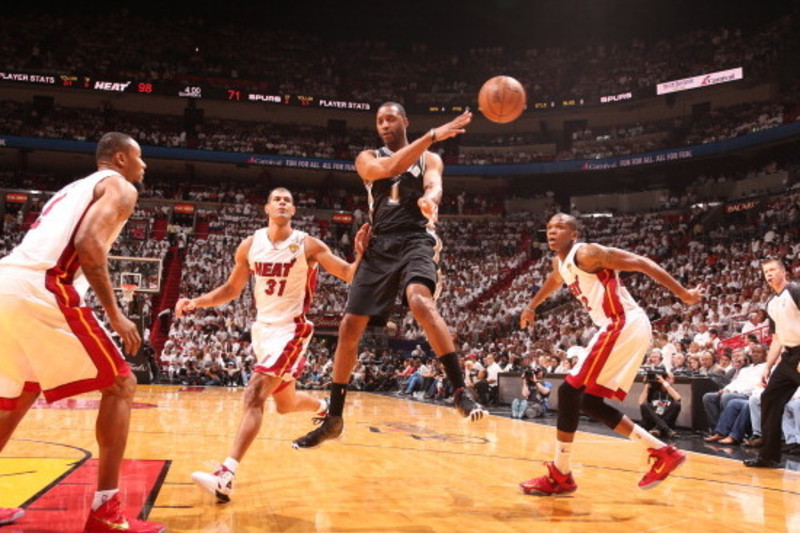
<point>602,293</point>
<point>49,246</point>
<point>284,283</point>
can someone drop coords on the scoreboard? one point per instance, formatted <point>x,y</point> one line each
<point>174,88</point>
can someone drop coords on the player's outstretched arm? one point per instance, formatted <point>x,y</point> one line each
<point>371,168</point>
<point>550,285</point>
<point>318,251</point>
<point>116,200</point>
<point>594,257</point>
<point>230,290</point>
<point>432,183</point>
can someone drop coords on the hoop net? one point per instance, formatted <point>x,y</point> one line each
<point>127,291</point>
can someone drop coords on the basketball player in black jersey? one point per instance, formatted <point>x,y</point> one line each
<point>404,187</point>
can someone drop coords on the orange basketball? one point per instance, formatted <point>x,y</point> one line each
<point>502,99</point>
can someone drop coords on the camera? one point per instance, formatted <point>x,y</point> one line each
<point>651,373</point>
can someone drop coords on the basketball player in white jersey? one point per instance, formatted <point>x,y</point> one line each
<point>284,262</point>
<point>614,354</point>
<point>50,342</point>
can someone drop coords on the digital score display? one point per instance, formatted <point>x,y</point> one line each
<point>172,88</point>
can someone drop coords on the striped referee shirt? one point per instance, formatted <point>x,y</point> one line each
<point>784,315</point>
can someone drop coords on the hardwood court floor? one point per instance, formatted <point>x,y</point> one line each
<point>403,466</point>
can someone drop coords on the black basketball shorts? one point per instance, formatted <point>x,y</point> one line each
<point>391,262</point>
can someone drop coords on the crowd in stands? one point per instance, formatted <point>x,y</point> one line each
<point>482,306</point>
<point>126,44</point>
<point>305,141</point>
<point>491,266</point>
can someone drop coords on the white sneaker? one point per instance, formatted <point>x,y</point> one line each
<point>220,483</point>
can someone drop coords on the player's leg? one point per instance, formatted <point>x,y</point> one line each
<point>255,396</point>
<point>220,482</point>
<point>666,459</point>
<point>344,361</point>
<point>422,304</point>
<point>113,422</point>
<point>423,307</point>
<point>558,480</point>
<point>372,293</point>
<point>9,419</point>
<point>289,400</point>
<point>19,383</point>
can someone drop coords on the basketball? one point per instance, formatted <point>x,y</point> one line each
<point>502,99</point>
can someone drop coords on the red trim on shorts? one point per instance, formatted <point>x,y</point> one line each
<point>293,349</point>
<point>31,386</point>
<point>98,345</point>
<point>602,349</point>
<point>9,404</point>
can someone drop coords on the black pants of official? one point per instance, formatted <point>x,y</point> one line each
<point>664,422</point>
<point>781,387</point>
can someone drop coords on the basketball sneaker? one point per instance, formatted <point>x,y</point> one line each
<point>10,515</point>
<point>108,518</point>
<point>467,406</point>
<point>666,459</point>
<point>553,484</point>
<point>220,483</point>
<point>330,427</point>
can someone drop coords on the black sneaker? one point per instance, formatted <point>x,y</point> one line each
<point>467,406</point>
<point>330,427</point>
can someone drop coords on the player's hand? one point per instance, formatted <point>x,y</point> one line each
<point>527,319</point>
<point>694,295</point>
<point>184,306</point>
<point>364,235</point>
<point>429,209</point>
<point>128,333</point>
<point>454,127</point>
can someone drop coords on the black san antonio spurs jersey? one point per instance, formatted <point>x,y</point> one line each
<point>393,201</point>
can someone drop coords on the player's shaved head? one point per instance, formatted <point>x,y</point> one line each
<point>111,143</point>
<point>400,109</point>
<point>569,220</point>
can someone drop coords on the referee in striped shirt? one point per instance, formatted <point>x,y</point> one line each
<point>784,319</point>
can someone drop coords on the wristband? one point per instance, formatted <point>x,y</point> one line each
<point>433,135</point>
<point>529,308</point>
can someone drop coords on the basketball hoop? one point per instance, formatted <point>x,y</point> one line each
<point>127,291</point>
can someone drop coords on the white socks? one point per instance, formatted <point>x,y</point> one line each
<point>563,452</point>
<point>643,437</point>
<point>231,464</point>
<point>101,497</point>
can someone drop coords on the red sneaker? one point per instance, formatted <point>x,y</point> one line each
<point>108,518</point>
<point>667,460</point>
<point>10,515</point>
<point>553,484</point>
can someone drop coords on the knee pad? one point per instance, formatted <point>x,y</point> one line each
<point>596,407</point>
<point>569,408</point>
